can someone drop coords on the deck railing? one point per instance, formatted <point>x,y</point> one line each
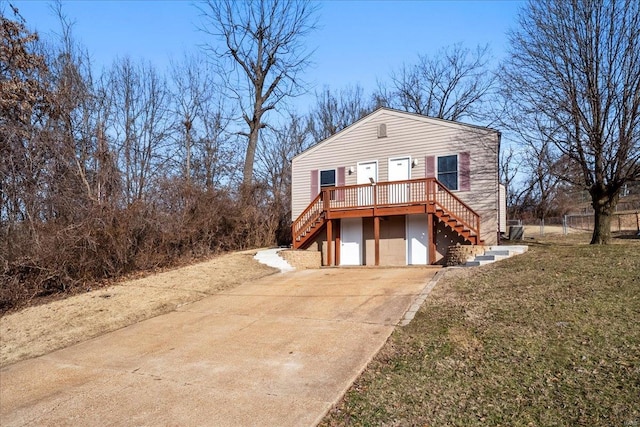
<point>380,194</point>
<point>424,191</point>
<point>453,206</point>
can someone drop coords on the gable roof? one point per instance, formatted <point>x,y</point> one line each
<point>398,113</point>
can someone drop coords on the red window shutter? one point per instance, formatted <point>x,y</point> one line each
<point>340,183</point>
<point>341,177</point>
<point>464,168</point>
<point>430,166</point>
<point>315,187</point>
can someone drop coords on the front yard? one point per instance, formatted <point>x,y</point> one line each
<point>551,337</point>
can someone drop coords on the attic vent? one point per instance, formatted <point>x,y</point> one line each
<point>382,130</point>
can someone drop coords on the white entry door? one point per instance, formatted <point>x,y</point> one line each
<point>417,239</point>
<point>367,171</point>
<point>399,170</point>
<point>351,241</point>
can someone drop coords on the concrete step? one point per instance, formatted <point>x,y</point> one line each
<point>496,253</point>
<point>502,253</point>
<point>518,249</point>
<point>486,257</point>
<point>477,263</point>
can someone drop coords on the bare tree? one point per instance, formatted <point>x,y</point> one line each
<point>542,181</point>
<point>190,93</point>
<point>202,118</point>
<point>574,73</point>
<point>75,133</point>
<point>334,112</point>
<point>140,123</point>
<point>274,171</point>
<point>25,107</point>
<point>510,165</point>
<point>262,52</point>
<point>217,158</point>
<point>454,84</point>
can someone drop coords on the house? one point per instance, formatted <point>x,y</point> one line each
<point>396,188</point>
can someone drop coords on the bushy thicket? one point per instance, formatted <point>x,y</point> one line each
<point>108,242</point>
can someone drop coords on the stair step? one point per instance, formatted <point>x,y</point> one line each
<point>486,257</point>
<point>498,252</point>
<point>515,249</point>
<point>476,263</point>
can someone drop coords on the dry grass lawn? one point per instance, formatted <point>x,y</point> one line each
<point>547,338</point>
<point>41,329</point>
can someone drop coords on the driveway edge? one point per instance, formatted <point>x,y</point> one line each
<point>420,299</point>
<point>357,375</point>
<point>406,319</point>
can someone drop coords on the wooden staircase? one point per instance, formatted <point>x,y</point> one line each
<point>313,227</point>
<point>310,222</point>
<point>426,195</point>
<point>457,226</point>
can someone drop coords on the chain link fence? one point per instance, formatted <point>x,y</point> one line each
<point>620,222</point>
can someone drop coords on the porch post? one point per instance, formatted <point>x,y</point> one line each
<point>329,242</point>
<point>376,237</point>
<point>431,235</point>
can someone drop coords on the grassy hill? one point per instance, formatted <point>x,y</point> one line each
<point>551,337</point>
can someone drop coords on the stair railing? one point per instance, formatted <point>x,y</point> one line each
<point>308,217</point>
<point>450,204</point>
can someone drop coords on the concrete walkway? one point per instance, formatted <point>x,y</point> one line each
<point>278,351</point>
<point>271,258</point>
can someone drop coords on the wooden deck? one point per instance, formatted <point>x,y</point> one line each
<point>426,195</point>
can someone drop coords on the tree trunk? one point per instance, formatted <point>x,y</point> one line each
<point>604,204</point>
<point>188,123</point>
<point>601,227</point>
<point>249,159</point>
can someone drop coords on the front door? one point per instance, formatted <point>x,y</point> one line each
<point>417,239</point>
<point>351,241</point>
<point>399,170</point>
<point>367,172</point>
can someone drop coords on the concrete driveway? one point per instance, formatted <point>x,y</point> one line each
<point>278,351</point>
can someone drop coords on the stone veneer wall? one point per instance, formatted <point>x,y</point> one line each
<point>301,259</point>
<point>458,254</point>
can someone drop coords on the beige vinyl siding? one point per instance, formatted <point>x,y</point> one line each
<point>407,135</point>
<point>393,243</point>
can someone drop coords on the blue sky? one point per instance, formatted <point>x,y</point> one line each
<point>358,42</point>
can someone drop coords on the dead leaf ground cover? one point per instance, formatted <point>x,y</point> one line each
<point>40,329</point>
<point>548,338</point>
